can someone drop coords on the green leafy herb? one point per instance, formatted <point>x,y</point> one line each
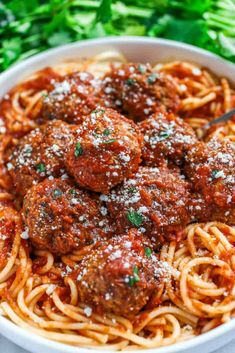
<point>109,141</point>
<point>131,190</point>
<point>130,81</point>
<point>73,192</point>
<point>40,167</point>
<point>148,252</point>
<point>135,218</point>
<point>104,12</point>
<point>164,135</point>
<point>57,193</point>
<point>106,132</point>
<point>152,78</point>
<point>135,278</point>
<point>28,27</point>
<point>78,150</point>
<point>215,174</point>
<point>98,111</point>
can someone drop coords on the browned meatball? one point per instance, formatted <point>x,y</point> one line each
<point>71,98</point>
<point>120,276</point>
<point>136,90</point>
<point>39,154</point>
<point>61,217</point>
<point>155,201</point>
<point>211,169</point>
<point>106,150</point>
<point>166,138</point>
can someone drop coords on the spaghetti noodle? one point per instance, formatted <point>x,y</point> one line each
<point>36,291</point>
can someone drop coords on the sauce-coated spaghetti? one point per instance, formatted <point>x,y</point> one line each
<point>41,290</point>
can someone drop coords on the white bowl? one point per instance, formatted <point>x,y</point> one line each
<point>137,49</point>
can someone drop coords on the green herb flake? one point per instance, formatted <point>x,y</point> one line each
<point>57,193</point>
<point>131,190</point>
<point>98,111</point>
<point>148,252</point>
<point>130,81</point>
<point>106,132</point>
<point>131,281</point>
<point>135,278</point>
<point>215,174</point>
<point>109,141</point>
<point>135,218</point>
<point>44,95</point>
<point>164,135</point>
<point>40,167</point>
<point>78,150</point>
<point>72,192</point>
<point>152,79</point>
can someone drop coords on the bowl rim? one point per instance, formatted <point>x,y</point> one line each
<point>10,329</point>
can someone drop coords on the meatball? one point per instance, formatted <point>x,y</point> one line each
<point>38,155</point>
<point>106,149</point>
<point>138,91</point>
<point>211,169</point>
<point>71,99</point>
<point>61,218</point>
<point>155,201</point>
<point>120,276</point>
<point>166,139</point>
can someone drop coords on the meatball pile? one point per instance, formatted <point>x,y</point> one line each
<point>113,166</point>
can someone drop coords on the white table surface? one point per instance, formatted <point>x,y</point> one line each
<point>8,347</point>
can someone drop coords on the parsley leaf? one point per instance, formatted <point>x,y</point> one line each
<point>135,278</point>
<point>78,150</point>
<point>40,167</point>
<point>106,132</point>
<point>148,252</point>
<point>164,135</point>
<point>135,218</point>
<point>57,193</point>
<point>104,12</point>
<point>109,141</point>
<point>130,81</point>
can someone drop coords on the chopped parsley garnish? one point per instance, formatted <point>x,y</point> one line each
<point>78,150</point>
<point>152,78</point>
<point>28,150</point>
<point>72,191</point>
<point>132,189</point>
<point>135,218</point>
<point>57,193</point>
<point>215,174</point>
<point>40,167</point>
<point>101,111</point>
<point>106,132</point>
<point>44,95</point>
<point>109,141</point>
<point>130,81</point>
<point>164,135</point>
<point>135,278</point>
<point>142,69</point>
<point>148,252</point>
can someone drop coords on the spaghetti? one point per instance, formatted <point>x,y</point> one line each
<point>36,291</point>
